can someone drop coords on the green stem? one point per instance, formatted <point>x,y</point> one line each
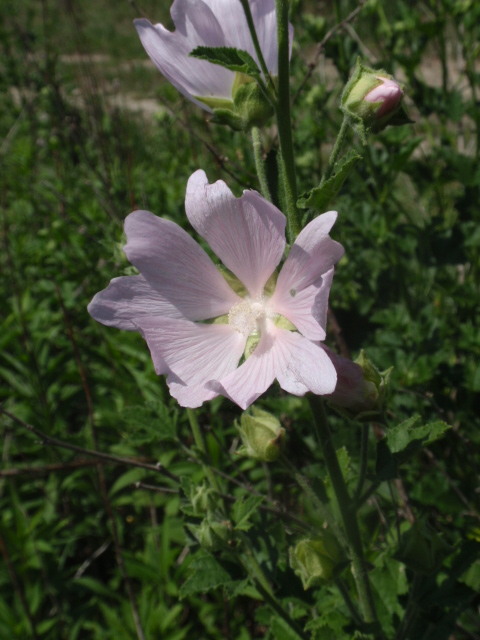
<point>263,586</point>
<point>348,601</point>
<point>336,150</point>
<point>363,462</point>
<point>260,164</point>
<point>316,501</point>
<point>284,121</point>
<point>349,518</point>
<point>411,611</point>
<point>256,43</point>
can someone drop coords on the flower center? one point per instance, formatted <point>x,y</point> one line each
<point>247,315</point>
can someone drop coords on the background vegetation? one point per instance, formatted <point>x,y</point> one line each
<point>90,131</point>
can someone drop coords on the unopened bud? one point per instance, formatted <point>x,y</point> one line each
<point>213,535</point>
<point>261,434</point>
<point>314,561</point>
<point>372,99</point>
<point>202,499</point>
<point>386,96</point>
<point>361,387</point>
<point>249,106</point>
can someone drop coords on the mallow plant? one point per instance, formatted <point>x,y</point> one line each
<point>254,311</point>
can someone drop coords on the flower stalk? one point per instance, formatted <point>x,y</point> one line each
<point>256,44</point>
<point>260,163</point>
<point>284,121</point>
<point>337,147</point>
<point>348,515</point>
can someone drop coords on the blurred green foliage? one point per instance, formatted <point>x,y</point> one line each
<point>91,131</point>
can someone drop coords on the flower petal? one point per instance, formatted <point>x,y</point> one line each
<point>232,18</point>
<point>127,298</point>
<point>194,354</point>
<point>307,309</point>
<point>244,385</point>
<point>247,233</point>
<point>176,267</point>
<point>303,285</point>
<point>170,52</point>
<point>265,20</point>
<point>296,362</point>
<point>308,366</point>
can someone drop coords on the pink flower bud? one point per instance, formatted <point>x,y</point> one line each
<point>389,94</point>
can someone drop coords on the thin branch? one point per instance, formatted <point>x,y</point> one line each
<point>55,442</point>
<point>321,45</point>
<point>278,511</point>
<point>48,468</point>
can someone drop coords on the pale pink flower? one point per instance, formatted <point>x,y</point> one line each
<point>388,95</point>
<point>211,338</point>
<point>209,23</point>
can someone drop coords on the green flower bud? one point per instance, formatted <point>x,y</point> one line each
<point>261,434</point>
<point>250,108</point>
<point>202,499</point>
<point>213,535</point>
<point>380,380</point>
<point>371,100</point>
<point>314,561</point>
<point>422,549</point>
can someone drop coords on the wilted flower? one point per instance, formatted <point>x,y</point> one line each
<point>354,391</point>
<point>209,23</point>
<point>234,332</point>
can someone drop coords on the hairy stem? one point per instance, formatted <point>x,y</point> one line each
<point>263,585</point>
<point>260,164</point>
<point>284,121</point>
<point>335,152</point>
<point>348,515</point>
<point>256,44</point>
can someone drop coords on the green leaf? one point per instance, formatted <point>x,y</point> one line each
<point>389,581</point>
<point>97,587</point>
<point>150,423</point>
<point>319,197</point>
<point>243,509</point>
<point>206,574</point>
<point>407,433</point>
<point>471,577</point>
<point>281,630</point>
<point>230,58</point>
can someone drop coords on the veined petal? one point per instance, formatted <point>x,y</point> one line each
<point>286,355</point>
<point>170,54</point>
<point>246,233</point>
<point>265,20</point>
<point>197,21</point>
<point>303,284</point>
<point>308,365</point>
<point>313,254</point>
<point>127,298</point>
<point>177,267</point>
<point>307,308</point>
<point>194,354</point>
<point>232,18</point>
<point>255,375</point>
